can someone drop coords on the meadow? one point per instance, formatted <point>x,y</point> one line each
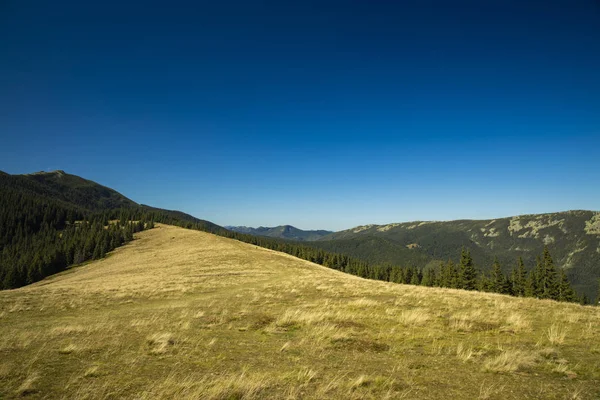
<point>179,313</point>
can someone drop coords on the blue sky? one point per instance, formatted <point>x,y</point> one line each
<point>323,115</point>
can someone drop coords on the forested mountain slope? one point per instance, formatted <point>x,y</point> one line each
<point>70,189</point>
<point>573,238</point>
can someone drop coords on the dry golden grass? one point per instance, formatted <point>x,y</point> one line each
<point>511,361</point>
<point>417,316</point>
<point>185,314</point>
<point>556,334</point>
<point>463,352</point>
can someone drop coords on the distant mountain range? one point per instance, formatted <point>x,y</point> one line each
<point>282,232</point>
<point>573,238</point>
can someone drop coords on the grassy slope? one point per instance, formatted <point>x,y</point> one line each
<point>181,313</point>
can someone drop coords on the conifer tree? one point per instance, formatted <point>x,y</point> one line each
<point>408,274</point>
<point>531,284</point>
<point>449,275</point>
<point>584,300</point>
<point>507,286</point>
<point>484,283</point>
<point>497,277</point>
<point>429,277</point>
<point>548,282</point>
<point>468,273</point>
<point>416,277</point>
<point>519,278</point>
<point>566,292</point>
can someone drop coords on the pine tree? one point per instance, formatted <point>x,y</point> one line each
<point>484,283</point>
<point>566,292</point>
<point>539,277</point>
<point>519,278</point>
<point>531,284</point>
<point>497,277</point>
<point>429,277</point>
<point>584,300</point>
<point>507,286</point>
<point>468,273</point>
<point>549,284</point>
<point>416,277</point>
<point>449,275</point>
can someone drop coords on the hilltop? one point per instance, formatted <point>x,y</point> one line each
<point>282,232</point>
<point>66,188</point>
<point>573,238</point>
<point>185,314</point>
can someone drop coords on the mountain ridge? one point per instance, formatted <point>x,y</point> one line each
<point>67,188</point>
<point>573,238</point>
<point>282,232</point>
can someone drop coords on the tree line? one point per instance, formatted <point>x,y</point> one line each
<point>544,281</point>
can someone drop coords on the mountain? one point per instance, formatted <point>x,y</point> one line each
<point>282,232</point>
<point>71,190</point>
<point>573,238</point>
<point>182,314</point>
<point>76,193</point>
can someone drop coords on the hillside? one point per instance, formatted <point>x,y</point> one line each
<point>282,232</point>
<point>573,238</point>
<point>51,220</point>
<point>67,188</point>
<point>185,314</point>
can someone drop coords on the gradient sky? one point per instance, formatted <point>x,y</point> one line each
<point>323,115</point>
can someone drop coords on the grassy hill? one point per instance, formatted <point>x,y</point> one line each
<point>282,232</point>
<point>185,314</point>
<point>573,238</point>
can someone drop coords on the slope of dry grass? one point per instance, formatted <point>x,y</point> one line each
<point>185,314</point>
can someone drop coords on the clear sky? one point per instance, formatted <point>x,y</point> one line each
<point>323,115</point>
